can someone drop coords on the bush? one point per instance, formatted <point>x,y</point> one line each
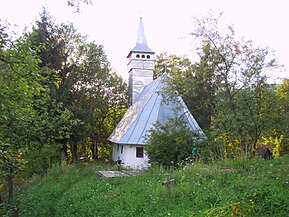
<point>40,159</point>
<point>171,143</point>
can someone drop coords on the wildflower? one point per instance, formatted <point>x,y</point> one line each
<point>239,212</point>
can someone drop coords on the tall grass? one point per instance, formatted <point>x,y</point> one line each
<point>226,188</point>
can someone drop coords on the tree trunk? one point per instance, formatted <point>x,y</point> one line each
<point>10,189</point>
<point>64,150</point>
<point>74,153</point>
<point>94,150</point>
<point>254,149</point>
<point>1,201</point>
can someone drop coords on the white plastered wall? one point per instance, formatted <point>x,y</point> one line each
<point>127,155</point>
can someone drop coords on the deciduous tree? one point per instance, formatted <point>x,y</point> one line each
<point>226,89</point>
<point>23,126</point>
<point>84,83</point>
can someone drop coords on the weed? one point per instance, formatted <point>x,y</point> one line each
<point>227,188</point>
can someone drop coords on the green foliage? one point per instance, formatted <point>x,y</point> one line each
<point>226,88</point>
<point>239,104</point>
<point>41,158</point>
<point>282,115</point>
<point>30,120</point>
<point>77,4</point>
<point>171,143</point>
<point>81,82</point>
<point>225,188</point>
<point>171,64</point>
<point>193,83</point>
<point>19,84</point>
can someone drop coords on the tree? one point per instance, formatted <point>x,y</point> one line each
<point>172,64</point>
<point>171,143</point>
<point>55,46</point>
<point>187,82</point>
<point>194,82</point>
<point>19,84</point>
<point>280,130</point>
<point>77,3</point>
<point>241,112</point>
<point>82,81</point>
<point>226,88</point>
<point>239,109</point>
<point>30,121</point>
<point>97,94</point>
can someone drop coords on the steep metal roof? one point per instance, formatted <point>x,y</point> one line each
<point>141,44</point>
<point>149,108</point>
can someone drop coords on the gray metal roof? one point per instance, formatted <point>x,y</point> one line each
<point>149,108</point>
<point>141,44</point>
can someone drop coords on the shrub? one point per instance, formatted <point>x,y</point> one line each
<point>40,159</point>
<point>171,143</point>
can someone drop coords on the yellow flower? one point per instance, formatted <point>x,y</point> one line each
<point>239,212</point>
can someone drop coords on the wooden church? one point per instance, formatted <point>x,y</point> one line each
<point>147,106</point>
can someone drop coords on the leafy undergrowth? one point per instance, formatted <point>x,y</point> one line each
<point>227,188</point>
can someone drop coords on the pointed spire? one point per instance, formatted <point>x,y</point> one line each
<point>141,44</point>
<point>141,38</point>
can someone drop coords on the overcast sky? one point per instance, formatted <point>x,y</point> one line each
<point>114,23</point>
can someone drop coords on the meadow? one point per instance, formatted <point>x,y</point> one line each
<point>237,187</point>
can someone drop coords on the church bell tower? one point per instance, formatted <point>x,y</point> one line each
<point>141,62</point>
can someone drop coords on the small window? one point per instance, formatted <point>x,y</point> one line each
<point>148,56</point>
<point>139,152</point>
<point>121,151</point>
<point>137,56</point>
<point>143,56</point>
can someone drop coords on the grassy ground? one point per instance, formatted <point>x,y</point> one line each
<point>226,188</point>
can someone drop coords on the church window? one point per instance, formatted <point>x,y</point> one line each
<point>148,56</point>
<point>121,151</point>
<point>139,152</point>
<point>143,56</point>
<point>137,56</point>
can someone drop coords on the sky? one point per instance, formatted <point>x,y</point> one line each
<point>167,23</point>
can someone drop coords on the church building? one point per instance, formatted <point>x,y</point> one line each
<point>147,106</point>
